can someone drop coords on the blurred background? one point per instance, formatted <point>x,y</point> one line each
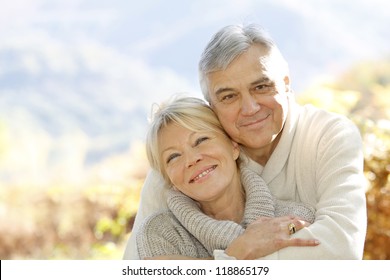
<point>78,79</point>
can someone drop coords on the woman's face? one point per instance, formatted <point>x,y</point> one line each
<point>202,165</point>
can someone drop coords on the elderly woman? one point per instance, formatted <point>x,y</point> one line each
<point>213,199</point>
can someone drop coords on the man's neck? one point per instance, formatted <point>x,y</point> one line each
<point>262,155</point>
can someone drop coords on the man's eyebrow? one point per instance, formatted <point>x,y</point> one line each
<point>261,80</point>
<point>222,90</point>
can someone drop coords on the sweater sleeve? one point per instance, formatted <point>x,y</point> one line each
<point>162,234</point>
<point>336,186</point>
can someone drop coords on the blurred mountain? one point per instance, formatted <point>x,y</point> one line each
<point>78,78</point>
<point>69,113</point>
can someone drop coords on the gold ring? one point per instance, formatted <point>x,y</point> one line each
<point>291,228</point>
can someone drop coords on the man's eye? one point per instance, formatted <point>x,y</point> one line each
<point>228,97</point>
<point>264,88</point>
<point>172,157</point>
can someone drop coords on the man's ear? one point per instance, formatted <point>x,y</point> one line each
<point>236,150</point>
<point>287,83</point>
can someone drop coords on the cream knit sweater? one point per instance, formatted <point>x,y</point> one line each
<point>185,230</point>
<point>318,160</point>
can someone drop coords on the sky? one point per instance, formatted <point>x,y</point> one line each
<point>161,41</point>
<point>78,77</point>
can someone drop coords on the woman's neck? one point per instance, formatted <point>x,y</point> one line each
<point>230,206</point>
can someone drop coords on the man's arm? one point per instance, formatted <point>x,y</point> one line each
<point>337,189</point>
<point>153,200</point>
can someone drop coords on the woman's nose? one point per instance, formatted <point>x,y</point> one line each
<point>193,158</point>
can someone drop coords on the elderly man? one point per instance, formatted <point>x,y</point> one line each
<point>303,153</point>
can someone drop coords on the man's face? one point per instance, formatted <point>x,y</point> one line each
<point>250,98</point>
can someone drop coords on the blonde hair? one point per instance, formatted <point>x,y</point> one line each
<point>188,112</point>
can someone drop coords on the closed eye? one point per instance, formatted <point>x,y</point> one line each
<point>172,157</point>
<point>200,140</point>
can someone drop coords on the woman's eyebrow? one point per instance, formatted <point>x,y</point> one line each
<point>174,147</point>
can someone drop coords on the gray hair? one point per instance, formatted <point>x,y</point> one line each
<point>227,44</point>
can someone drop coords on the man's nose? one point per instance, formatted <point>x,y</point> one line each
<point>249,106</point>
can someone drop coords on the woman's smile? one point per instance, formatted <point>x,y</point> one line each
<point>202,174</point>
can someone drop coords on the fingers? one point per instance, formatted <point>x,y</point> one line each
<point>281,227</point>
<point>299,223</point>
<point>294,224</point>
<point>285,225</point>
<point>285,219</point>
<point>302,242</point>
<point>291,228</point>
<point>297,242</point>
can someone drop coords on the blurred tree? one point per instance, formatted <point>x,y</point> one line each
<point>362,91</point>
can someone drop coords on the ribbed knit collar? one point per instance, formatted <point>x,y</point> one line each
<point>217,234</point>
